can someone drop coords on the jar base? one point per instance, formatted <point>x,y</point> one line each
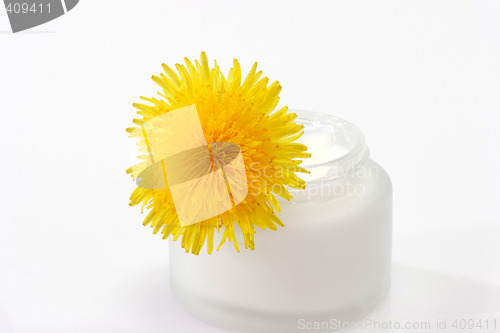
<point>250,320</point>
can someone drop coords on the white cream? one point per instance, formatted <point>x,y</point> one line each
<point>331,260</point>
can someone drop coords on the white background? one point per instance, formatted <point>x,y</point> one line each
<point>421,79</point>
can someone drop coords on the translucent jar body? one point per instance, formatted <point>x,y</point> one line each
<point>331,262</point>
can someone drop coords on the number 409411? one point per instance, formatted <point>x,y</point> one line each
<point>24,8</point>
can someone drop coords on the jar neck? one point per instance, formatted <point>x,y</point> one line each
<point>338,154</point>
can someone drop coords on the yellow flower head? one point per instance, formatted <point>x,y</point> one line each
<point>233,112</point>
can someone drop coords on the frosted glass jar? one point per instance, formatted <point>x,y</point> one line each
<point>331,262</point>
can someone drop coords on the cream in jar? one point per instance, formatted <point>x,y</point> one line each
<point>331,260</point>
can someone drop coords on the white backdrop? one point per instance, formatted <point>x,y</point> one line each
<point>420,78</point>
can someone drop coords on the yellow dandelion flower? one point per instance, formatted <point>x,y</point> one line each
<point>229,111</point>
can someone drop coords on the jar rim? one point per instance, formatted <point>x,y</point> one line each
<point>343,133</point>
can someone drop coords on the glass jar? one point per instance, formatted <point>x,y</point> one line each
<point>331,262</point>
